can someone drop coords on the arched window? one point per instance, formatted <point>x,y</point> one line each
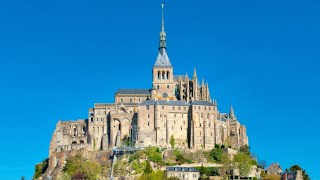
<point>158,75</point>
<point>167,74</point>
<point>163,74</point>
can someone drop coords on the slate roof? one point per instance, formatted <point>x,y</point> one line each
<point>188,169</point>
<point>161,102</point>
<point>133,91</point>
<point>162,59</point>
<point>203,103</point>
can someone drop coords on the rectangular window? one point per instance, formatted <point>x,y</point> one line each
<point>173,108</point>
<point>162,107</point>
<point>179,108</point>
<point>185,108</point>
<point>148,107</point>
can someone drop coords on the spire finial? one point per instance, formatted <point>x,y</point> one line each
<point>162,33</point>
<point>195,72</point>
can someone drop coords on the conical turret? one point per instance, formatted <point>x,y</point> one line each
<point>231,114</point>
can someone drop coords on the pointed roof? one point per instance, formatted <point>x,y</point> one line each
<point>162,59</point>
<point>195,72</point>
<point>231,113</point>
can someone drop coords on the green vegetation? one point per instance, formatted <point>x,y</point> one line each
<point>64,176</point>
<point>304,173</point>
<point>180,158</point>
<point>272,177</point>
<point>148,169</point>
<point>172,141</point>
<point>77,166</point>
<point>40,168</point>
<point>216,155</point>
<point>208,171</point>
<point>245,149</point>
<point>154,154</point>
<point>243,163</point>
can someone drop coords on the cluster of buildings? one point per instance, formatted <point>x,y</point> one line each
<point>175,106</point>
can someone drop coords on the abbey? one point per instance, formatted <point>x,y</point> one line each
<point>175,106</point>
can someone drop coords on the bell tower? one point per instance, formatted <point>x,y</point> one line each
<point>162,72</point>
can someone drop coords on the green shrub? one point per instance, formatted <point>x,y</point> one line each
<point>148,169</point>
<point>216,155</point>
<point>154,154</point>
<point>77,165</point>
<point>40,168</point>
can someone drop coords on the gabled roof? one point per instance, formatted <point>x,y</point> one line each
<point>162,59</point>
<point>133,91</point>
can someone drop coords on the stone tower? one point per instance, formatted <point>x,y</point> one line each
<point>162,71</point>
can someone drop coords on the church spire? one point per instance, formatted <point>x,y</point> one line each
<point>162,33</point>
<point>162,59</point>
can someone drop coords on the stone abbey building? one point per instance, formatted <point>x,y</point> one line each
<point>175,106</point>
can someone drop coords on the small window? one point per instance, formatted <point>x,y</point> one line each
<point>162,107</point>
<point>158,87</point>
<point>185,108</point>
<point>209,108</point>
<point>168,86</point>
<point>175,115</point>
<point>130,100</point>
<point>199,107</point>
<point>181,128</point>
<point>173,108</point>
<point>174,121</point>
<point>148,107</point>
<point>148,123</point>
<point>148,115</point>
<point>121,100</point>
<point>179,108</point>
<point>205,108</point>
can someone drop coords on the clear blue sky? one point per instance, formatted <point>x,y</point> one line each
<point>58,58</point>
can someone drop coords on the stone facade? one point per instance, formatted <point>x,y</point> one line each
<point>174,106</point>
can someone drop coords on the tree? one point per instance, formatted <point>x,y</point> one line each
<point>262,163</point>
<point>216,154</point>
<point>304,173</point>
<point>245,149</point>
<point>243,163</point>
<point>148,169</point>
<point>77,165</point>
<point>172,141</point>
